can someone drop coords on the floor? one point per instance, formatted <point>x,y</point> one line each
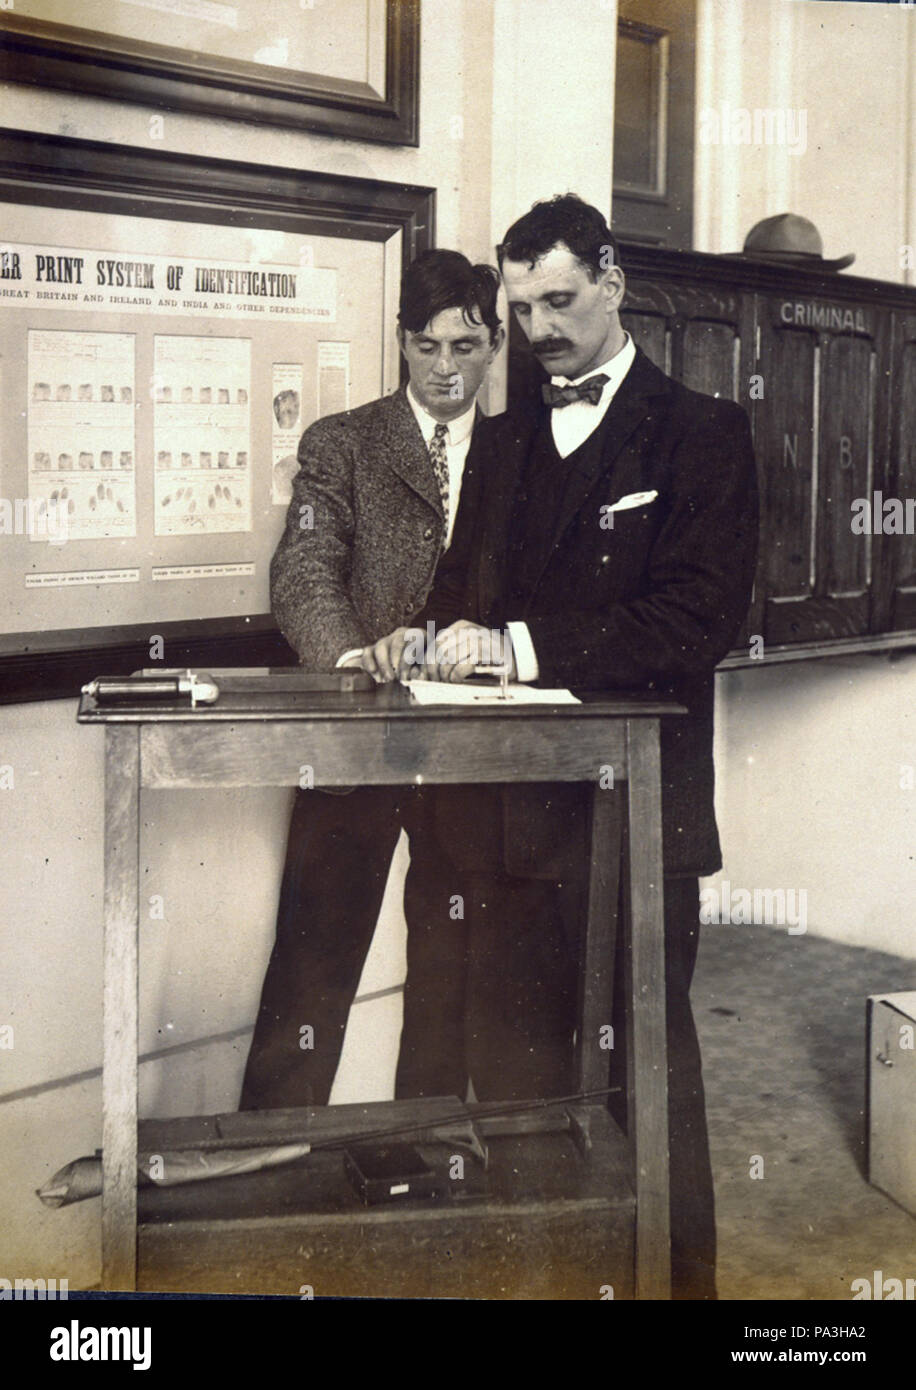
<point>782,1028</point>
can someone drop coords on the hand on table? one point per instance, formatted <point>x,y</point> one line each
<point>464,646</point>
<point>399,656</point>
<point>459,649</point>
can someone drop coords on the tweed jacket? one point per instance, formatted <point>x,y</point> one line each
<point>363,532</point>
<point>650,602</point>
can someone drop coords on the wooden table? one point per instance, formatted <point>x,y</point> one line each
<point>264,736</point>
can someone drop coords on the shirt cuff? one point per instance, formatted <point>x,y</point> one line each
<point>347,657</point>
<point>526,663</point>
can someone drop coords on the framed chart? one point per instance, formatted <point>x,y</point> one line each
<point>342,67</point>
<point>169,326</point>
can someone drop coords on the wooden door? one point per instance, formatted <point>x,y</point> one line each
<point>896,553</point>
<point>818,433</point>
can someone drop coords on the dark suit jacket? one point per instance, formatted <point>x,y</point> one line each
<point>652,604</point>
<point>366,563</point>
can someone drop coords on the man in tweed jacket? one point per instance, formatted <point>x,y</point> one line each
<point>373,509</point>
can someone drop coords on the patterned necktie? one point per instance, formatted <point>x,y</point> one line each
<point>589,390</point>
<point>439,460</point>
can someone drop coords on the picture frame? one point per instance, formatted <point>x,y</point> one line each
<point>381,106</point>
<point>54,659</point>
<point>648,150</point>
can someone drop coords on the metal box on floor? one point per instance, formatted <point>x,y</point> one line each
<point>891,1074</point>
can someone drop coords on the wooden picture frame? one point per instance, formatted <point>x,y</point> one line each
<point>655,43</point>
<point>103,63</point>
<point>59,173</point>
<point>654,100</point>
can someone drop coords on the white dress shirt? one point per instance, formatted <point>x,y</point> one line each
<point>570,426</point>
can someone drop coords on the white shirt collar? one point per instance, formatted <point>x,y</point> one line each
<point>458,429</point>
<point>615,369</point>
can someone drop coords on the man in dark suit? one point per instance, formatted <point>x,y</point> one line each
<point>373,509</point>
<point>614,548</point>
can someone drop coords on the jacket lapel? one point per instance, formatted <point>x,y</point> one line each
<point>401,447</point>
<point>510,451</point>
<point>627,410</point>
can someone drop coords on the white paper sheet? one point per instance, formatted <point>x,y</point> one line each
<point>333,378</point>
<point>446,693</point>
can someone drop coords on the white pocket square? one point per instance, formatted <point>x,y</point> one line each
<point>632,499</point>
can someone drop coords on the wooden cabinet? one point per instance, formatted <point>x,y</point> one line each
<point>825,365</point>
<point>820,433</point>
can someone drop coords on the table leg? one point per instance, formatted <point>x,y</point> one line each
<point>120,1008</point>
<point>647,1036</point>
<point>596,976</point>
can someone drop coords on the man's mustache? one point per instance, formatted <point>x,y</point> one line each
<point>551,345</point>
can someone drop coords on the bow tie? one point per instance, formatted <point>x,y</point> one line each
<point>589,390</point>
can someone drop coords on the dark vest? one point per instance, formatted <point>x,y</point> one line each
<point>540,496</point>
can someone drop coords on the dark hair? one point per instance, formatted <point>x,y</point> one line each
<point>564,218</point>
<point>439,280</point>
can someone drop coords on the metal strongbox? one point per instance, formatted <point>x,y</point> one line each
<point>891,1081</point>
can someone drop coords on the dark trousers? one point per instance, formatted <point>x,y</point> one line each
<point>693,1226</point>
<point>509,993</point>
<point>520,1012</point>
<point>337,859</point>
<point>338,855</point>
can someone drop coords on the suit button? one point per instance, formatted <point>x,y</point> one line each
<point>428,534</point>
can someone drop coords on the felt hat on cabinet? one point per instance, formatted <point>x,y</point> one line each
<point>788,239</point>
